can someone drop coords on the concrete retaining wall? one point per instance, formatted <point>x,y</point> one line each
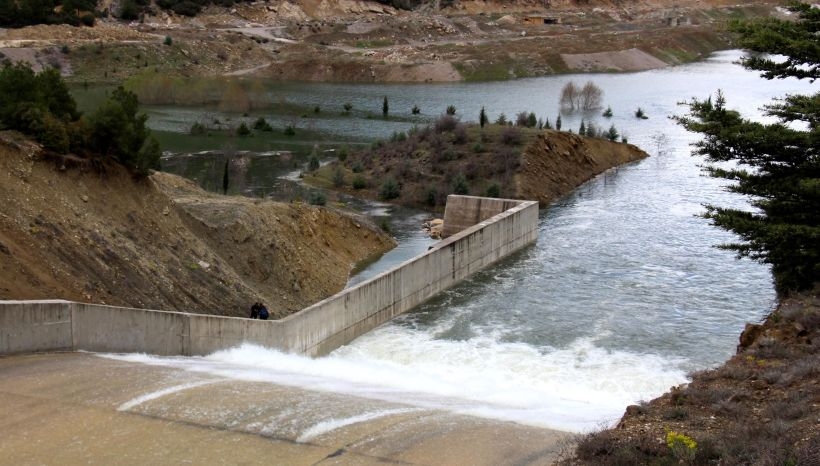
<point>491,230</point>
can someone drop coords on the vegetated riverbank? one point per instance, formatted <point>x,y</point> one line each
<point>75,230</point>
<point>760,407</point>
<point>372,42</point>
<point>422,168</point>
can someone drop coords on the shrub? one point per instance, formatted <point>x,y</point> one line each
<point>357,167</point>
<point>168,40</point>
<point>260,124</point>
<point>347,107</point>
<point>88,19</point>
<point>510,136</point>
<point>338,178</point>
<point>243,130</point>
<point>445,123</point>
<point>342,153</point>
<point>521,119</point>
<point>532,121</point>
<point>313,162</point>
<point>197,129</point>
<point>460,185</point>
<point>612,133</point>
<point>317,198</point>
<point>493,191</point>
<point>289,130</point>
<point>639,113</point>
<point>415,110</point>
<point>390,190</point>
<point>460,134</point>
<point>451,110</point>
<point>359,182</point>
<point>432,195</point>
<point>478,147</point>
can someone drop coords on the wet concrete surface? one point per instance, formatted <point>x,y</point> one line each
<point>79,408</point>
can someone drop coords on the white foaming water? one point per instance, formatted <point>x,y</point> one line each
<point>574,389</point>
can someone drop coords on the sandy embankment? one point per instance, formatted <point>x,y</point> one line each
<point>79,408</point>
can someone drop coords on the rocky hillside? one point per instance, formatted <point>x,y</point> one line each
<point>423,167</point>
<point>760,407</point>
<point>88,232</point>
<point>354,40</point>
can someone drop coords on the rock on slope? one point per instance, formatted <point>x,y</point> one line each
<point>94,234</point>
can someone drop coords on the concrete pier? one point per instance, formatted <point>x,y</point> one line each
<point>488,230</point>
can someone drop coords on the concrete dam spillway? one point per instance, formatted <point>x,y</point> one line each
<point>480,231</point>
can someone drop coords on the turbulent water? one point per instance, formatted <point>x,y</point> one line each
<point>622,296</point>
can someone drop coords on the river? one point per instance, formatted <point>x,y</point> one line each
<point>622,296</point>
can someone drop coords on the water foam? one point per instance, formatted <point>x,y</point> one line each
<point>577,388</point>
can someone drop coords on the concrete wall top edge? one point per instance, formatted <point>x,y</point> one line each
<point>36,301</point>
<point>521,204</point>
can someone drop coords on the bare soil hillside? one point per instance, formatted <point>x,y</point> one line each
<point>557,162</point>
<point>350,40</point>
<point>92,233</point>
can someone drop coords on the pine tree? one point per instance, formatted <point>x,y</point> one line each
<point>385,107</point>
<point>778,165</point>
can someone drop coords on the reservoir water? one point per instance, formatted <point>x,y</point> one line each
<point>622,296</point>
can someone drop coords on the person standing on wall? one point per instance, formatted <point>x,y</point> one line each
<point>263,312</point>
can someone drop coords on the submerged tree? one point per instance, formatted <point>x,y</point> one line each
<point>778,164</point>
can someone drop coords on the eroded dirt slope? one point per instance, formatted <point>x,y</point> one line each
<point>557,162</point>
<point>98,235</point>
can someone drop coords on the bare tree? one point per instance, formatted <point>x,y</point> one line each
<point>569,96</point>
<point>591,96</point>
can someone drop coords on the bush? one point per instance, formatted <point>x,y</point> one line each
<point>460,135</point>
<point>359,182</point>
<point>612,134</point>
<point>415,110</point>
<point>338,178</point>
<point>451,110</point>
<point>243,130</point>
<point>168,40</point>
<point>357,167</point>
<point>347,107</point>
<point>88,19</point>
<point>289,130</point>
<point>313,162</point>
<point>510,136</point>
<point>390,190</point>
<point>639,113</point>
<point>197,129</point>
<point>342,153</point>
<point>445,123</point>
<point>460,185</point>
<point>493,191</point>
<point>317,198</point>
